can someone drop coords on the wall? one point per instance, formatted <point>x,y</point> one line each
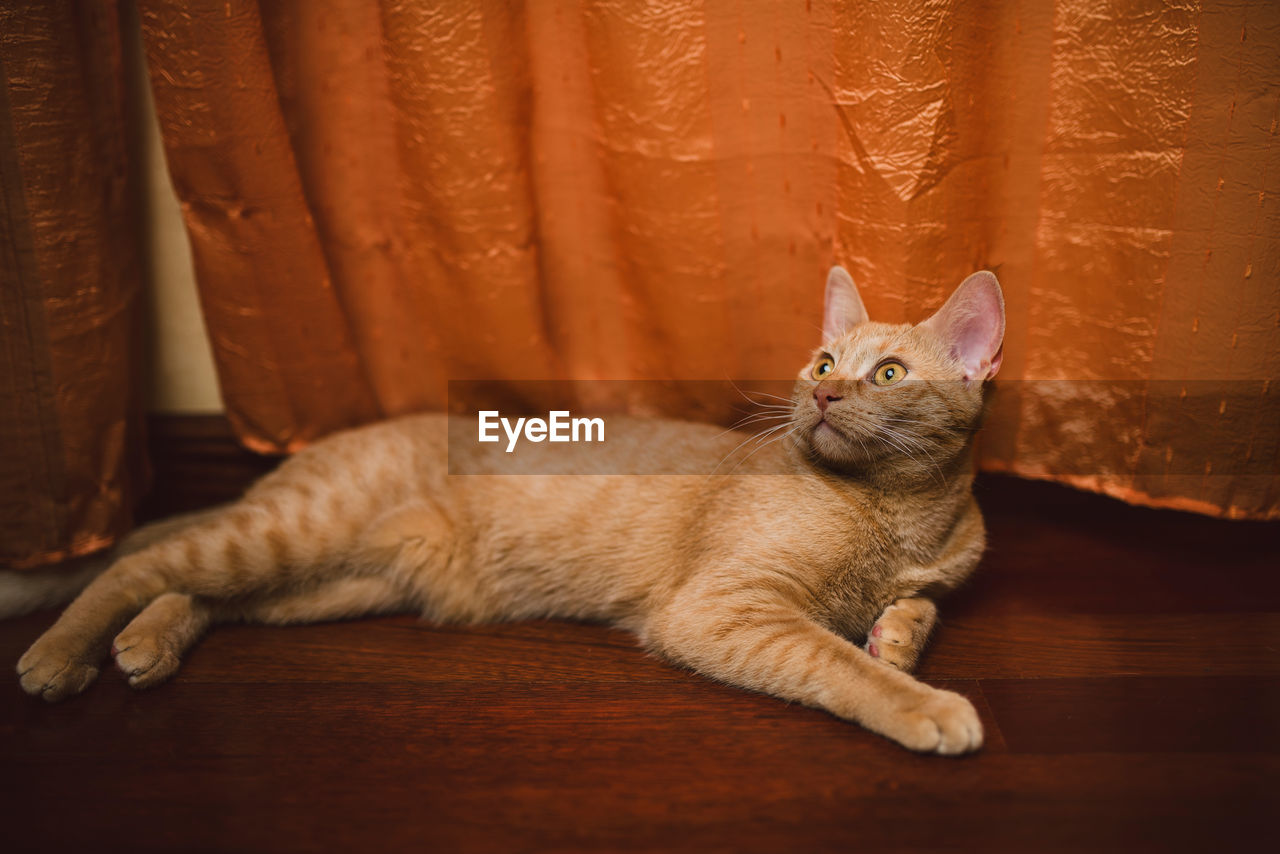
<point>181,377</point>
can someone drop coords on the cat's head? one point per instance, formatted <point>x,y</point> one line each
<point>898,399</point>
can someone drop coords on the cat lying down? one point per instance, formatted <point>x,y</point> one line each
<point>846,527</point>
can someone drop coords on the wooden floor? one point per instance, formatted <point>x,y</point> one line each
<point>1125,663</point>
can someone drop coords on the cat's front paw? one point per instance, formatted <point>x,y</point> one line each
<point>900,634</point>
<point>53,674</point>
<point>940,722</point>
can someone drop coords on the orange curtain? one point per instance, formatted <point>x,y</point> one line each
<point>386,196</point>
<point>70,404</point>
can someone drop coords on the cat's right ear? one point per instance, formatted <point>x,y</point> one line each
<point>843,309</point>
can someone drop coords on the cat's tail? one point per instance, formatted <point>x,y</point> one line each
<point>24,592</point>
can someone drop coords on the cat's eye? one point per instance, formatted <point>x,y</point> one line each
<point>888,373</point>
<point>824,367</point>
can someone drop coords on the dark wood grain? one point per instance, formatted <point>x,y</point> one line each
<point>1138,714</point>
<point>1125,662</point>
<point>196,463</point>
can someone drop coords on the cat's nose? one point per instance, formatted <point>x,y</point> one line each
<point>824,398</point>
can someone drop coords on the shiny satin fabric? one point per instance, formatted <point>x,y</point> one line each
<point>384,196</point>
<point>71,466</point>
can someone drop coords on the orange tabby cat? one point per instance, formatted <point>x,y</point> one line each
<point>847,528</point>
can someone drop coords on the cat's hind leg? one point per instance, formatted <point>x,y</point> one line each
<point>270,542</point>
<point>151,647</point>
<point>900,633</point>
<point>65,659</point>
<point>297,527</point>
<point>150,655</point>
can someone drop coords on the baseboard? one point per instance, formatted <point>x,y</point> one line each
<point>197,462</point>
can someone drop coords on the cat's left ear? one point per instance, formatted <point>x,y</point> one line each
<point>843,309</point>
<point>972,323</point>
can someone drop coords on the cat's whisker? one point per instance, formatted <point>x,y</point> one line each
<point>770,410</point>
<point>773,406</point>
<point>906,442</point>
<point>905,452</point>
<point>764,444</point>
<point>772,416</point>
<point>757,415</point>
<point>751,438</point>
<point>773,411</point>
<point>757,437</point>
<point>766,433</point>
<point>866,452</point>
<point>948,427</point>
<point>754,419</point>
<point>785,400</point>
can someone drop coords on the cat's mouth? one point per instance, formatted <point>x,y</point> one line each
<point>832,444</point>
<point>826,433</point>
<point>839,442</point>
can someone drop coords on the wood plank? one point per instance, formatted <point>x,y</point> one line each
<point>1048,645</point>
<point>1055,550</point>
<point>1181,714</point>
<point>308,766</point>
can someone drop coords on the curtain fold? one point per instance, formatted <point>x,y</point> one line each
<point>384,197</point>
<point>70,406</point>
